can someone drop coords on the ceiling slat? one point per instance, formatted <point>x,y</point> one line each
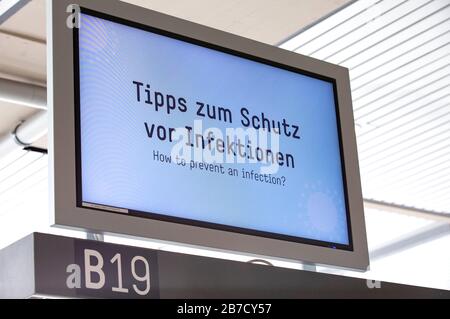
<point>392,124</point>
<point>395,60</point>
<point>436,87</point>
<point>390,23</point>
<point>401,78</point>
<point>387,27</point>
<point>406,40</point>
<point>330,23</point>
<point>341,31</point>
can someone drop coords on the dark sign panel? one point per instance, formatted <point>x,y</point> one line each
<point>53,266</point>
<point>82,268</point>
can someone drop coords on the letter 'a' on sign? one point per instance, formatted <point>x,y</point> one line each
<point>165,129</point>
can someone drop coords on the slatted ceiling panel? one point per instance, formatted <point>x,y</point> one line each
<point>428,76</point>
<point>19,177</point>
<point>396,17</point>
<point>391,25</point>
<point>14,171</point>
<point>382,124</point>
<point>434,74</point>
<point>424,32</point>
<point>430,27</point>
<point>421,101</point>
<point>409,117</point>
<point>361,14</point>
<point>404,143</point>
<point>333,21</point>
<point>369,93</point>
<point>368,29</point>
<point>340,32</point>
<point>396,60</point>
<point>30,189</point>
<point>398,54</point>
<point>24,203</point>
<point>382,110</point>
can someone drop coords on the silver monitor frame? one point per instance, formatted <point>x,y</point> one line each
<point>62,144</point>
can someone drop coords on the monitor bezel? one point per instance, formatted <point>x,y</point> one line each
<point>67,209</point>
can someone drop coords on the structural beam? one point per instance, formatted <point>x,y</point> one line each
<point>23,94</point>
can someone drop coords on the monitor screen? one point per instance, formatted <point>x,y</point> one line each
<point>174,129</point>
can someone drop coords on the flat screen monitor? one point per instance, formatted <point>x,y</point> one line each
<point>182,133</point>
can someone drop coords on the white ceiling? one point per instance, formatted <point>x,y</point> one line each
<point>398,54</point>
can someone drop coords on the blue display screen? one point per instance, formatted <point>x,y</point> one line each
<point>175,129</point>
